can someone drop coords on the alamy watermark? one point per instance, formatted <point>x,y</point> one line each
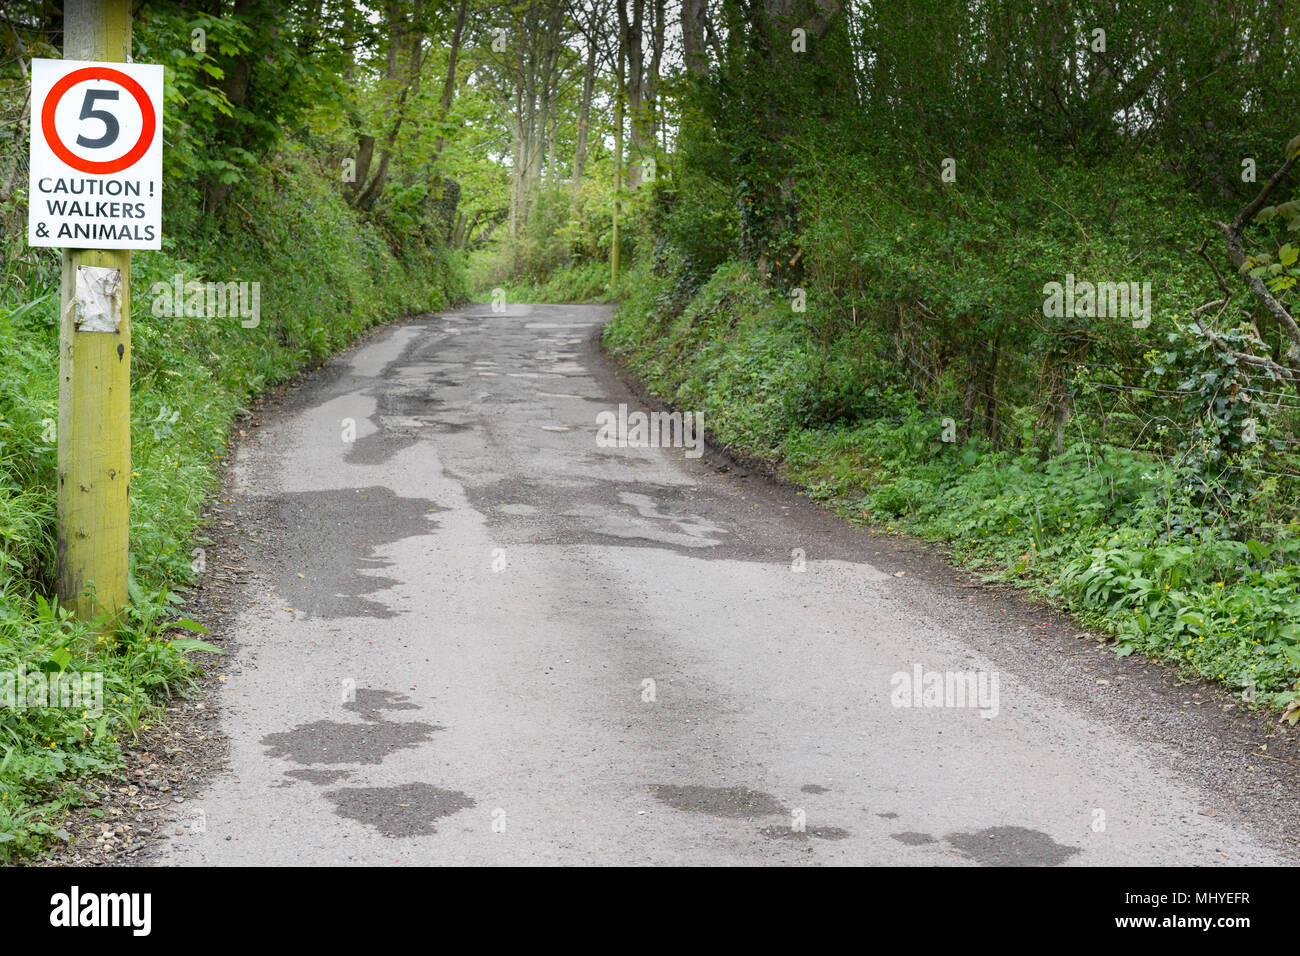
<point>622,429</point>
<point>922,688</point>
<point>208,300</point>
<point>1117,300</point>
<point>75,908</point>
<point>69,690</point>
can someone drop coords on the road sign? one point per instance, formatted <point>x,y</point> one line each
<point>96,155</point>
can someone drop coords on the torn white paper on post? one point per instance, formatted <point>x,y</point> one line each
<point>97,305</point>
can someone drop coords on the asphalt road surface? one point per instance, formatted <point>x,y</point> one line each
<point>476,636</point>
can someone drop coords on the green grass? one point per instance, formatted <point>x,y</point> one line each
<point>586,282</point>
<point>326,276</point>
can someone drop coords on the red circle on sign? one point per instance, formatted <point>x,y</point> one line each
<point>129,158</point>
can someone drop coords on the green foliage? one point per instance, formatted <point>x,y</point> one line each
<point>588,282</point>
<point>1232,431</point>
<point>916,181</point>
<point>1278,265</point>
<point>699,221</point>
<point>212,140</point>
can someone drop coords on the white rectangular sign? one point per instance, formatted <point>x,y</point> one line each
<point>96,155</point>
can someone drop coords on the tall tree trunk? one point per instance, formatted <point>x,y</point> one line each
<point>634,85</point>
<point>657,30</point>
<point>584,115</point>
<point>693,13</point>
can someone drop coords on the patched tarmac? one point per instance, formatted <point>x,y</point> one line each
<point>469,634</point>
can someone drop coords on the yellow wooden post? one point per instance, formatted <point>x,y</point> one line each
<point>94,382</point>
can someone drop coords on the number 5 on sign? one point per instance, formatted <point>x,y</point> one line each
<point>96,155</point>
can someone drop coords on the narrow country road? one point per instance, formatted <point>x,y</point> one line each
<point>472,635</point>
